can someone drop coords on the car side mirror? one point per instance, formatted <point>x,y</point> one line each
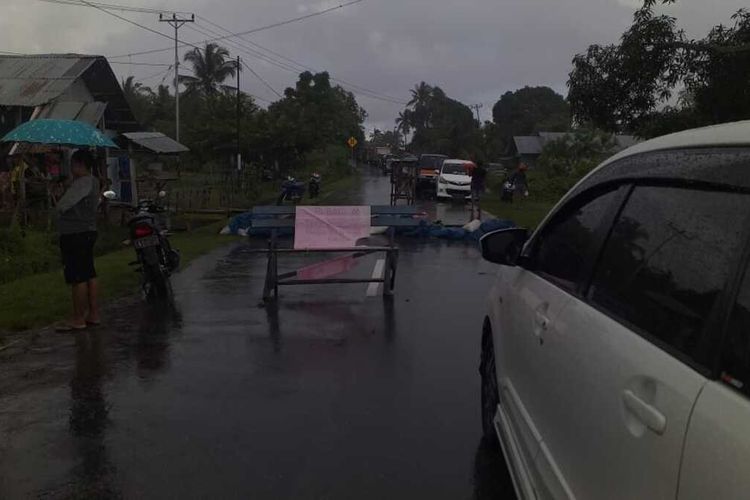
<point>437,171</point>
<point>503,246</point>
<point>110,195</point>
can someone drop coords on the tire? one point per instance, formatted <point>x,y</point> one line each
<point>157,285</point>
<point>489,395</point>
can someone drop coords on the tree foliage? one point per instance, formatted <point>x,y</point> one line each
<point>565,161</point>
<point>530,110</point>
<point>439,124</point>
<point>312,121</point>
<point>631,86</point>
<point>212,66</point>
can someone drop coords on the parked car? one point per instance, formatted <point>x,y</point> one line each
<point>616,348</point>
<point>453,181</point>
<point>429,165</point>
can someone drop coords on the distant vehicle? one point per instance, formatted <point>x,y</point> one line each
<point>383,150</point>
<point>616,347</point>
<point>429,166</point>
<point>385,165</point>
<point>453,182</point>
<point>291,190</point>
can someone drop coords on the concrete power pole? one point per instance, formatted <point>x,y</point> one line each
<point>477,107</point>
<point>176,23</point>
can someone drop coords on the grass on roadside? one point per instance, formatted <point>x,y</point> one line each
<point>42,299</point>
<point>528,213</point>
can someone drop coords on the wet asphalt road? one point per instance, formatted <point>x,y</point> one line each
<point>332,395</point>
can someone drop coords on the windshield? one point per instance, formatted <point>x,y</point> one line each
<point>454,169</point>
<point>431,161</point>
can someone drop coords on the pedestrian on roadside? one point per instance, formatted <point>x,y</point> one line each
<point>478,185</point>
<point>519,181</point>
<point>77,227</point>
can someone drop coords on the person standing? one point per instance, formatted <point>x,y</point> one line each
<point>77,227</point>
<point>478,185</point>
<point>519,181</point>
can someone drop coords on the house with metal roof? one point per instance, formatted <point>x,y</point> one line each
<point>528,148</point>
<point>62,86</point>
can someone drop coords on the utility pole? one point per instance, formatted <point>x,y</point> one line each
<point>477,107</point>
<point>239,107</point>
<point>176,23</point>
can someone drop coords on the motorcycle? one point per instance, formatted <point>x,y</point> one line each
<point>314,185</point>
<point>155,257</point>
<point>291,190</point>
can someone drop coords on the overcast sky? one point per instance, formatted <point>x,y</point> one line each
<point>474,49</point>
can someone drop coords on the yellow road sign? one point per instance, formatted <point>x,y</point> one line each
<point>352,142</point>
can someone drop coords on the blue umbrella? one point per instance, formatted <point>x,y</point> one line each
<point>61,132</point>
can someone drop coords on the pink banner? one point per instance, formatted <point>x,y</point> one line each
<point>330,227</point>
<point>327,268</point>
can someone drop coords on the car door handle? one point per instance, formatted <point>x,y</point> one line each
<point>541,323</point>
<point>646,413</point>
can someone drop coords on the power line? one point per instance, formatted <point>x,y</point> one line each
<point>268,85</point>
<point>121,8</point>
<point>123,18</point>
<point>140,63</point>
<point>295,66</point>
<point>248,32</point>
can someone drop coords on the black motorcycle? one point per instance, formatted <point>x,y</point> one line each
<point>292,190</point>
<point>156,260</point>
<point>313,187</point>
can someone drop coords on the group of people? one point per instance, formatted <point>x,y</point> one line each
<point>516,184</point>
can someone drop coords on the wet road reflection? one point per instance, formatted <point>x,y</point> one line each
<point>331,394</point>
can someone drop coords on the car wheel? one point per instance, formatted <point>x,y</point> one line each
<point>490,397</point>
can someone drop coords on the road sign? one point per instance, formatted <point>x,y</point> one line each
<point>352,142</point>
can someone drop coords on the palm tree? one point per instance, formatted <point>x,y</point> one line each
<point>211,67</point>
<point>403,122</point>
<point>133,90</point>
<point>420,95</point>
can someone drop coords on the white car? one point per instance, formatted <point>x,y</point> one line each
<point>616,349</point>
<point>453,180</point>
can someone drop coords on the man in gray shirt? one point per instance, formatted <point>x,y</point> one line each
<point>77,227</point>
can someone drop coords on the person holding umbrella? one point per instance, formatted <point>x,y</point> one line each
<point>77,210</point>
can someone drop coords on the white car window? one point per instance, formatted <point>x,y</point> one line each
<point>562,249</point>
<point>667,261</point>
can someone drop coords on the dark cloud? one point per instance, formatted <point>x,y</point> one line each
<point>474,49</point>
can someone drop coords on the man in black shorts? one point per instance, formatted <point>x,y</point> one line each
<point>77,226</point>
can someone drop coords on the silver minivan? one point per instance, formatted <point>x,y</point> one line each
<point>616,348</point>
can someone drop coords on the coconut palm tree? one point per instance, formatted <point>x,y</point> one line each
<point>211,67</point>
<point>133,90</point>
<point>403,122</point>
<point>420,95</point>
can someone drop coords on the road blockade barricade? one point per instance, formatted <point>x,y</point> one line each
<point>330,229</point>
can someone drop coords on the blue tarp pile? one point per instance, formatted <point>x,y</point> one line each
<point>241,224</point>
<point>428,229</point>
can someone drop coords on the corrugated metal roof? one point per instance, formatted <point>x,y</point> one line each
<point>38,79</point>
<point>528,144</point>
<point>156,142</point>
<point>88,112</point>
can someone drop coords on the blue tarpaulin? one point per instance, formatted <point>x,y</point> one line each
<point>243,223</point>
